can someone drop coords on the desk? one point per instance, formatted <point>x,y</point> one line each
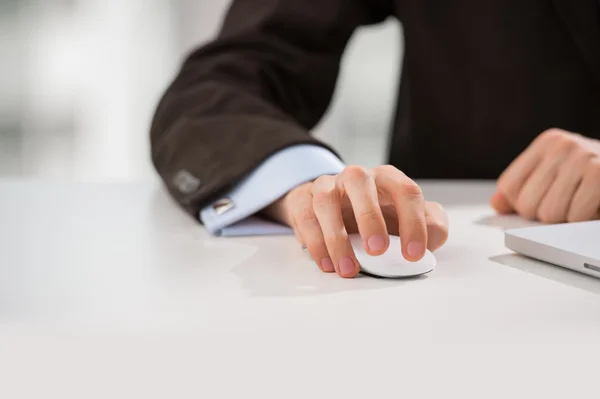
<point>110,290</point>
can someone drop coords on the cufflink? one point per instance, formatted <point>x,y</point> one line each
<point>185,182</point>
<point>223,205</point>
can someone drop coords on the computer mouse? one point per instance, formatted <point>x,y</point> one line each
<point>391,264</point>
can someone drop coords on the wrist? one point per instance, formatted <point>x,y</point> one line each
<point>279,210</point>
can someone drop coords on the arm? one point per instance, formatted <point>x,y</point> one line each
<point>258,88</point>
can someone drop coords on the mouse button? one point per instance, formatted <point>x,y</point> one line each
<point>356,241</point>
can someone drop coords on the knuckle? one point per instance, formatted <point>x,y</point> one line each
<point>371,214</point>
<point>306,214</point>
<point>325,197</point>
<point>419,222</point>
<point>321,180</point>
<point>355,172</point>
<point>336,240</point>
<point>385,169</point>
<point>563,141</point>
<point>411,189</point>
<point>561,149</point>
<point>296,194</point>
<point>552,134</point>
<point>416,221</point>
<point>582,155</point>
<point>567,143</point>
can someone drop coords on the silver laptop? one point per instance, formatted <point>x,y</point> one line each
<point>575,246</point>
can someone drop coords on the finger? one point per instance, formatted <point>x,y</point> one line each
<point>328,210</point>
<point>292,201</point>
<point>501,204</point>
<point>410,207</point>
<point>437,225</point>
<point>308,230</point>
<point>586,201</point>
<point>555,205</point>
<point>535,188</point>
<point>359,186</point>
<point>516,174</point>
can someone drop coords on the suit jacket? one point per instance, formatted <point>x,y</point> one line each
<point>480,80</point>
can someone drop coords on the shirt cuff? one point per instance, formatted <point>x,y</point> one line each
<point>234,214</point>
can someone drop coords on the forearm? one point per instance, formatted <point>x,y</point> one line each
<point>259,87</point>
<point>214,148</point>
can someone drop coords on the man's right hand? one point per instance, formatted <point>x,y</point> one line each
<point>374,203</point>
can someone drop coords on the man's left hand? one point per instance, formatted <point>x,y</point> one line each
<point>555,180</point>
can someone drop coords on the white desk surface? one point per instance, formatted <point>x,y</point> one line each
<point>111,291</point>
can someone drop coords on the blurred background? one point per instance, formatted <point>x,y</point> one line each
<point>79,80</point>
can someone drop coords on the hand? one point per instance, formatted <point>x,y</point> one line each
<point>374,203</point>
<point>555,180</point>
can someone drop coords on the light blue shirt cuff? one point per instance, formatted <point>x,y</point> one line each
<point>235,214</point>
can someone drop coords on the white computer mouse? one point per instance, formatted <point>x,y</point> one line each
<point>391,264</point>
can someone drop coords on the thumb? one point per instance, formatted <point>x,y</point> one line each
<point>501,204</point>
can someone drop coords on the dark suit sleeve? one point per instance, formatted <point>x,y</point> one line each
<point>260,86</point>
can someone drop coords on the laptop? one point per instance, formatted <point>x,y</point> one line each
<point>575,246</point>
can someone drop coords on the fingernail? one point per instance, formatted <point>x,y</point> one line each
<point>375,243</point>
<point>346,266</point>
<point>327,265</point>
<point>414,249</point>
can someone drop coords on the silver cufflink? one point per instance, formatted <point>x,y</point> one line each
<point>222,206</point>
